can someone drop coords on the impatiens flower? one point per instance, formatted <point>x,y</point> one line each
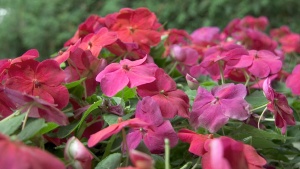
<point>6,104</point>
<point>96,41</point>
<point>290,43</point>
<point>76,152</point>
<point>140,160</point>
<point>197,141</point>
<point>148,111</point>
<point>139,26</point>
<point>262,63</point>
<point>212,110</point>
<point>163,90</point>
<point>43,79</point>
<point>279,106</point>
<point>126,73</point>
<point>113,129</point>
<point>231,154</point>
<point>16,155</point>
<point>35,107</point>
<point>175,36</point>
<point>206,36</point>
<point>293,82</point>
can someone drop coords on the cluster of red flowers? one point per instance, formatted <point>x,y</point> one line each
<point>114,52</point>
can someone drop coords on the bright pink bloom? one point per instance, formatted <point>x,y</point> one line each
<point>290,43</point>
<point>38,108</point>
<point>279,106</point>
<point>197,141</point>
<point>64,55</point>
<point>262,63</point>
<point>212,110</point>
<point>148,111</point>
<point>113,129</point>
<point>126,73</point>
<point>163,90</point>
<point>293,82</point>
<point>76,152</point>
<point>96,41</point>
<point>206,36</point>
<point>175,36</point>
<point>140,160</point>
<point>16,155</point>
<point>231,154</point>
<point>43,79</point>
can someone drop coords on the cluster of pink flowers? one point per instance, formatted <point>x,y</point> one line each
<point>111,54</point>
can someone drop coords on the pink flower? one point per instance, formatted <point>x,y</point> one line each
<point>154,135</point>
<point>163,90</point>
<point>76,152</point>
<point>126,73</point>
<point>231,154</point>
<point>212,110</point>
<point>206,36</point>
<point>16,155</point>
<point>279,106</point>
<point>140,160</point>
<point>293,82</point>
<point>113,129</point>
<point>290,43</point>
<point>6,104</point>
<point>36,107</point>
<point>43,79</point>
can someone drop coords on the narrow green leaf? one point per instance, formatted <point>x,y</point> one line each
<point>9,125</point>
<point>111,162</point>
<point>48,127</point>
<point>32,127</point>
<point>88,111</point>
<point>64,131</point>
<point>74,84</point>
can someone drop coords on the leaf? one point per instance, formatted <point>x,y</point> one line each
<point>64,131</point>
<point>126,94</point>
<point>110,118</point>
<point>49,127</point>
<point>159,161</point>
<point>9,125</point>
<point>74,84</point>
<point>88,111</point>
<point>256,99</point>
<point>111,162</point>
<point>260,138</point>
<point>32,127</point>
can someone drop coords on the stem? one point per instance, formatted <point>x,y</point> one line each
<point>247,77</point>
<point>221,72</point>
<point>259,107</point>
<point>196,164</point>
<point>167,153</point>
<point>173,67</point>
<point>126,146</point>
<point>108,147</point>
<point>26,116</point>
<point>260,117</point>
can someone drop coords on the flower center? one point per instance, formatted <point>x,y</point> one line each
<point>215,100</point>
<point>36,83</point>
<point>126,67</point>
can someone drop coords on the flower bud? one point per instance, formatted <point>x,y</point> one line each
<point>192,82</point>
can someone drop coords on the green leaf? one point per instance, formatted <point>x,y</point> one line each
<point>64,131</point>
<point>257,99</point>
<point>126,94</point>
<point>10,124</point>
<point>111,162</point>
<point>88,111</point>
<point>48,127</point>
<point>32,127</point>
<point>260,138</point>
<point>110,118</point>
<point>159,161</point>
<point>74,84</point>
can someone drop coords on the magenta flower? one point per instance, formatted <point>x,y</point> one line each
<point>76,152</point>
<point>212,110</point>
<point>6,104</point>
<point>126,73</point>
<point>206,36</point>
<point>231,154</point>
<point>293,82</point>
<point>148,111</point>
<point>279,106</point>
<point>171,100</point>
<point>43,79</point>
<point>19,156</point>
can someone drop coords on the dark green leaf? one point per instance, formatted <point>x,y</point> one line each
<point>9,125</point>
<point>111,162</point>
<point>32,127</point>
<point>88,111</point>
<point>49,127</point>
<point>257,99</point>
<point>64,131</point>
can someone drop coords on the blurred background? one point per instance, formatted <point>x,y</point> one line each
<point>47,24</point>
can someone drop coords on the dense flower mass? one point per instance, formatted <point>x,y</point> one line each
<point>132,91</point>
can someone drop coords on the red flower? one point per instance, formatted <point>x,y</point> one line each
<point>163,90</point>
<point>42,79</point>
<point>139,26</point>
<point>279,106</point>
<point>290,43</point>
<point>16,155</point>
